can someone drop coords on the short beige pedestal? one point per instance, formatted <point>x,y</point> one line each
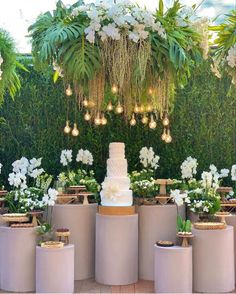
<point>18,257</point>
<point>213,260</point>
<point>116,249</point>
<point>231,220</point>
<point>80,220</point>
<point>173,269</point>
<point>156,222</point>
<point>55,269</point>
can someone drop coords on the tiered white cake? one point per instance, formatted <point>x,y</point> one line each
<point>115,188</point>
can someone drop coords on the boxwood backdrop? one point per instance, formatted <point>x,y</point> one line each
<point>203,125</point>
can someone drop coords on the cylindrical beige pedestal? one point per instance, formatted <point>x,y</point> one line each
<point>80,220</point>
<point>173,269</point>
<point>231,220</point>
<point>55,269</point>
<point>116,249</point>
<point>156,222</point>
<point>18,257</point>
<point>2,224</point>
<point>213,260</point>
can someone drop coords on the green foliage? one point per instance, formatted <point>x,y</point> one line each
<point>9,80</point>
<point>182,225</point>
<point>203,126</point>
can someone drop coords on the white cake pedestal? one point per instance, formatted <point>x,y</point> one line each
<point>156,222</point>
<point>173,269</point>
<point>18,257</point>
<point>55,270</point>
<point>80,220</point>
<point>231,220</point>
<point>116,249</point>
<point>213,260</point>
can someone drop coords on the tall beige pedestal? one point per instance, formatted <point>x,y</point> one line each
<point>156,222</point>
<point>18,257</point>
<point>80,219</point>
<point>232,222</point>
<point>2,224</point>
<point>116,249</point>
<point>173,269</point>
<point>55,270</point>
<point>213,260</point>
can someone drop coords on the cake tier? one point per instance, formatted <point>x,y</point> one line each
<point>122,182</point>
<point>117,150</point>
<point>117,167</point>
<point>121,198</point>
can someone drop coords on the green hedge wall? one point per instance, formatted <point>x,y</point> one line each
<point>203,125</point>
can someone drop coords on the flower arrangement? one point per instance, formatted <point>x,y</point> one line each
<point>225,53</point>
<point>148,158</point>
<point>81,176</point>
<point>30,187</point>
<point>154,53</point>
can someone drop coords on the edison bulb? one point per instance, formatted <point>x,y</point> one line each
<point>97,120</point>
<point>149,108</point>
<point>75,131</point>
<point>68,91</point>
<point>136,108</point>
<point>119,108</point>
<point>166,121</point>
<point>150,91</point>
<point>109,106</point>
<point>114,89</point>
<point>85,103</point>
<point>141,109</point>
<point>103,120</point>
<point>144,119</point>
<point>133,120</point>
<point>67,128</point>
<point>152,124</point>
<point>168,138</point>
<point>87,116</point>
<point>163,136</point>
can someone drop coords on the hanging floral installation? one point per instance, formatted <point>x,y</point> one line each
<point>120,57</point>
<point>225,52</point>
<point>9,79</point>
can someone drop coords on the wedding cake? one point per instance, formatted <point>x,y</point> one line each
<point>115,188</point>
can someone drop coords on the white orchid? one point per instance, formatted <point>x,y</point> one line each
<point>148,158</point>
<point>207,180</point>
<point>231,57</point>
<point>17,180</point>
<point>189,168</point>
<point>84,156</point>
<point>178,197</point>
<point>224,172</point>
<point>50,198</point>
<point>233,172</point>
<point>66,157</point>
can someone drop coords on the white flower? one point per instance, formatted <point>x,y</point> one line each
<point>224,173</point>
<point>231,57</point>
<point>0,168</point>
<point>66,157</point>
<point>205,209</point>
<point>111,31</point>
<point>189,168</point>
<point>91,36</point>
<point>50,198</point>
<point>213,168</point>
<point>21,165</point>
<point>233,172</point>
<point>85,157</point>
<point>110,190</point>
<point>198,204</point>
<point>178,197</point>
<point>1,61</point>
<point>206,179</point>
<point>148,158</point>
<point>17,180</point>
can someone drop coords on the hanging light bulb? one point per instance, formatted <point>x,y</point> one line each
<point>168,137</point>
<point>103,120</point>
<point>68,91</point>
<point>75,131</point>
<point>119,108</point>
<point>164,134</point>
<point>97,120</point>
<point>150,91</point>
<point>133,120</point>
<point>114,89</point>
<point>109,106</point>
<point>149,108</point>
<point>141,108</point>
<point>144,119</point>
<point>136,108</point>
<point>67,128</point>
<point>87,116</point>
<point>152,124</point>
<point>85,103</point>
<point>166,121</point>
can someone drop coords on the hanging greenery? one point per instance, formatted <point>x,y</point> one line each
<point>225,52</point>
<point>9,80</point>
<point>119,56</point>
